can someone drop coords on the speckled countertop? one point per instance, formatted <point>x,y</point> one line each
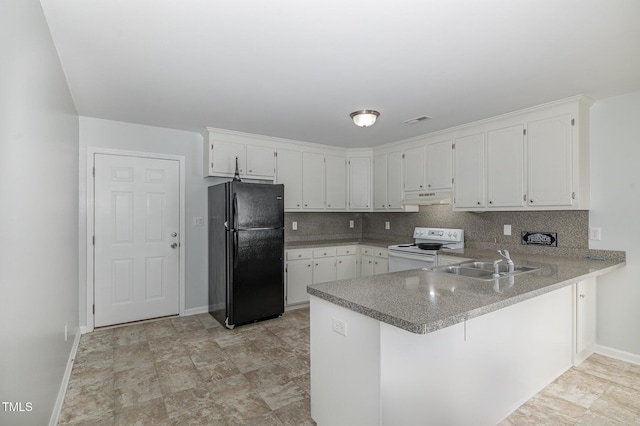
<point>328,243</point>
<point>422,301</point>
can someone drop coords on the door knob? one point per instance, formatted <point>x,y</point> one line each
<point>174,245</point>
<point>174,234</point>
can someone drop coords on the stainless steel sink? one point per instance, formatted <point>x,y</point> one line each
<point>481,270</point>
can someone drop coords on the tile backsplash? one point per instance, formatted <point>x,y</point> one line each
<point>480,228</point>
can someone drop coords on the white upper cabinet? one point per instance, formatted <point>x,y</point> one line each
<point>380,180</point>
<point>261,161</point>
<point>438,165</point>
<point>536,159</point>
<point>313,180</point>
<point>414,168</point>
<point>359,183</point>
<point>289,173</point>
<point>256,159</point>
<point>550,160</point>
<point>469,166</point>
<point>394,180</point>
<point>336,182</point>
<point>505,167</point>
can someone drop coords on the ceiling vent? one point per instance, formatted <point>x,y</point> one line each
<point>417,119</point>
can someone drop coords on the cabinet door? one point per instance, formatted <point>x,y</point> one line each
<point>367,264</point>
<point>505,167</point>
<point>549,158</point>
<point>336,182</point>
<point>394,180</point>
<point>324,270</point>
<point>380,266</point>
<point>224,158</point>
<point>299,276</point>
<point>312,180</point>
<point>414,169</point>
<point>360,183</point>
<point>585,317</point>
<point>260,161</point>
<point>290,174</point>
<point>469,160</point>
<point>346,267</point>
<point>380,182</point>
<point>439,164</point>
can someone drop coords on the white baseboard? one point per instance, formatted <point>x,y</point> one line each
<point>85,329</point>
<point>62,392</point>
<point>298,306</point>
<point>618,354</point>
<point>196,311</point>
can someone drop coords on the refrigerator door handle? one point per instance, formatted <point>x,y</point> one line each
<point>235,249</point>
<point>234,213</point>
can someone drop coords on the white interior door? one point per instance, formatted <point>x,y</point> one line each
<point>136,228</point>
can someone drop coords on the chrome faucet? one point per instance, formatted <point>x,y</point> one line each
<point>496,268</point>
<point>510,265</point>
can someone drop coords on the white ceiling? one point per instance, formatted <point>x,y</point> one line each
<point>296,69</point>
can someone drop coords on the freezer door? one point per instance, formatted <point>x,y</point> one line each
<point>256,205</point>
<point>256,287</point>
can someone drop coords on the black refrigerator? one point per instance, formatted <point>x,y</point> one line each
<point>246,252</point>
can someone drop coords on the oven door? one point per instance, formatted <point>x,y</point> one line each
<point>405,261</point>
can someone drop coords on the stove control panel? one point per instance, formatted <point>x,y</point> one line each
<point>439,234</point>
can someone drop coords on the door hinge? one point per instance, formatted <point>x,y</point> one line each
<point>524,197</point>
<point>453,146</point>
<point>573,121</point>
<point>573,195</point>
<point>275,153</point>
<point>211,146</point>
<point>94,309</point>
<point>402,155</point>
<point>524,132</point>
<point>94,240</point>
<point>451,180</point>
<point>94,172</point>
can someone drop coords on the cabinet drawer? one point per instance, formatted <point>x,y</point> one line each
<point>298,254</point>
<point>325,252</point>
<point>346,250</point>
<point>366,250</point>
<point>381,253</point>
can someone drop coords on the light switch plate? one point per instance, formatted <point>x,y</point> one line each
<point>294,226</point>
<point>387,225</point>
<point>507,230</point>
<point>351,224</point>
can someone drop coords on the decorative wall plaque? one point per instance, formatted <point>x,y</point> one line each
<point>549,239</point>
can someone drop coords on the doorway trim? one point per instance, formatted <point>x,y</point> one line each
<point>90,224</point>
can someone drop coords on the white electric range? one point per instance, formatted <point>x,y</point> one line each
<point>424,251</point>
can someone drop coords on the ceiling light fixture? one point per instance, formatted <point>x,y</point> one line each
<point>364,117</point>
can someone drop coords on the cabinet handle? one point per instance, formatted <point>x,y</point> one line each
<point>531,201</point>
<point>339,261</point>
<point>299,255</point>
<point>305,205</point>
<point>297,205</point>
<point>490,202</point>
<point>250,171</point>
<point>316,264</point>
<point>478,202</point>
<point>309,266</point>
<point>329,205</point>
<point>582,296</point>
<point>429,185</point>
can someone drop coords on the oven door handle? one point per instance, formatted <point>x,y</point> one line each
<point>423,257</point>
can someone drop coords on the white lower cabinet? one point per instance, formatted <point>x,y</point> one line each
<point>443,259</point>
<point>346,262</point>
<point>373,261</point>
<point>299,274</point>
<point>585,319</point>
<point>323,264</point>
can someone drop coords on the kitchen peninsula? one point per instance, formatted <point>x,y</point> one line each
<point>425,347</point>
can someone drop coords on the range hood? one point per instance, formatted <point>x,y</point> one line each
<point>428,198</point>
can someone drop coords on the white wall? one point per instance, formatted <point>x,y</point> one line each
<point>134,137</point>
<point>38,215</point>
<point>615,207</point>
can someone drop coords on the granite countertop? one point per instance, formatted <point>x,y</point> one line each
<point>329,243</point>
<point>423,301</point>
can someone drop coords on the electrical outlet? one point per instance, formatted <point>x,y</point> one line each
<point>339,326</point>
<point>387,225</point>
<point>507,230</point>
<point>595,234</point>
<point>351,224</point>
<point>294,226</point>
<point>198,221</point>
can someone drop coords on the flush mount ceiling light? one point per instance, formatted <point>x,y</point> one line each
<point>364,117</point>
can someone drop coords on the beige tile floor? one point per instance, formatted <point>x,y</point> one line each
<point>191,371</point>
